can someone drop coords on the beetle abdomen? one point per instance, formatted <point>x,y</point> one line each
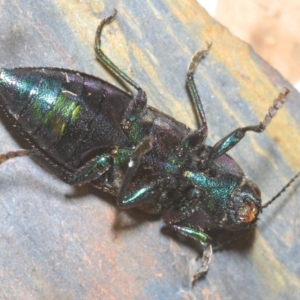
<point>64,112</point>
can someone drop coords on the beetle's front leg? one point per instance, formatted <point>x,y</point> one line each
<point>177,217</point>
<point>198,235</point>
<point>205,262</point>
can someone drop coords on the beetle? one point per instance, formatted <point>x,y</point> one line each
<point>86,130</point>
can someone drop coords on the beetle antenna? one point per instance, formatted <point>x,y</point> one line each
<point>281,191</point>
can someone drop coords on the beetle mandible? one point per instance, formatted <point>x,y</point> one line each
<point>86,130</point>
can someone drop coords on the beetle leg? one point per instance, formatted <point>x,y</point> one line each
<point>192,87</point>
<point>234,137</point>
<point>164,137</point>
<point>205,262</point>
<point>101,56</point>
<point>12,154</point>
<point>134,109</point>
<point>37,155</point>
<point>195,140</point>
<point>175,216</point>
<point>142,195</point>
<point>145,194</point>
<point>139,102</point>
<point>91,170</point>
<point>136,198</point>
<point>199,236</point>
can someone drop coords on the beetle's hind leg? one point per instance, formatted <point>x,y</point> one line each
<point>36,154</point>
<point>12,154</point>
<point>90,171</point>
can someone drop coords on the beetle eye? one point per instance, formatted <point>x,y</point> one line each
<point>247,212</point>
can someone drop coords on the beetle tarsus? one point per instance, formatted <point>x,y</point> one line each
<point>12,154</point>
<point>205,262</point>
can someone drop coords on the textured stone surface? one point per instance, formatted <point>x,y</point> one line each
<point>59,242</point>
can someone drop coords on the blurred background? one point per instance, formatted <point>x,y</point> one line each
<point>272,30</point>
